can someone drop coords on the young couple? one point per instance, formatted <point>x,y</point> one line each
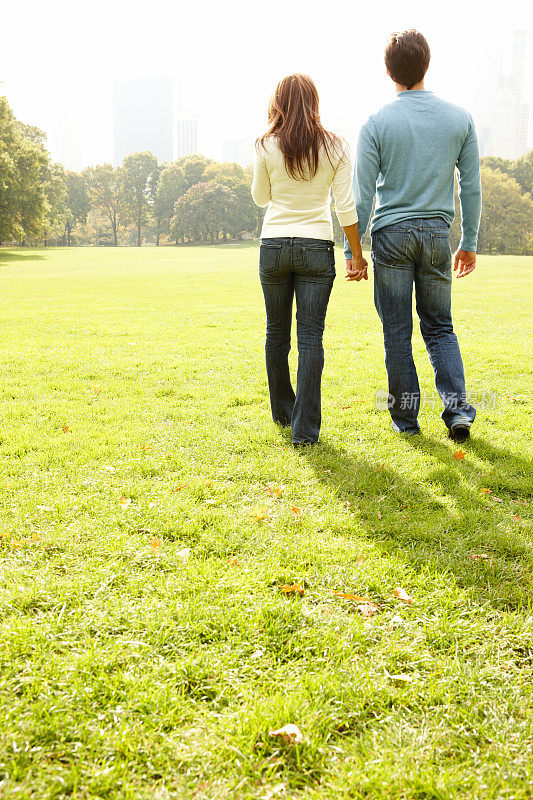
<point>406,155</point>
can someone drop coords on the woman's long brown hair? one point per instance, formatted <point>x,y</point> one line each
<point>293,117</point>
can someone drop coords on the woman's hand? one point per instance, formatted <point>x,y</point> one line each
<point>356,269</point>
<point>356,265</point>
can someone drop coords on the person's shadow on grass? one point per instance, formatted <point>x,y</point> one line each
<point>462,517</point>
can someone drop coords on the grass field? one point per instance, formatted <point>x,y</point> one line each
<point>152,515</point>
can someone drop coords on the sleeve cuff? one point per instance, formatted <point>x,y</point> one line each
<point>468,245</point>
<point>347,218</point>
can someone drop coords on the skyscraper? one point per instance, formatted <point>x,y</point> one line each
<point>186,136</point>
<point>65,141</point>
<point>142,117</point>
<point>508,132</point>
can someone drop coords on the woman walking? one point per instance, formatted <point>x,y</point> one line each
<point>298,164</point>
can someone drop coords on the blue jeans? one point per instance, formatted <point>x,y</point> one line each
<point>418,251</point>
<point>305,269</point>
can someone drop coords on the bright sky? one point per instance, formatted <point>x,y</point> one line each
<point>60,58</point>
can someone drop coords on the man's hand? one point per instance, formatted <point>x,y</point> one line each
<point>465,262</point>
<point>356,269</point>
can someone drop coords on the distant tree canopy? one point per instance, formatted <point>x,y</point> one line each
<point>507,212</point>
<point>139,184</point>
<point>24,179</point>
<point>507,215</point>
<point>521,169</point>
<point>192,199</point>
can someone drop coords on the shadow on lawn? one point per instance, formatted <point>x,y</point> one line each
<point>446,520</point>
<point>19,254</point>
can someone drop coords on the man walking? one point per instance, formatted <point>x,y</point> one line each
<point>406,156</point>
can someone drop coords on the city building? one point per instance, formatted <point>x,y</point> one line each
<point>65,142</point>
<point>507,133</point>
<point>186,136</point>
<point>142,117</point>
<point>238,151</point>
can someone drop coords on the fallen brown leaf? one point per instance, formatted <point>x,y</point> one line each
<point>274,491</point>
<point>293,588</point>
<point>459,455</point>
<point>353,597</point>
<point>124,501</point>
<point>295,510</point>
<point>290,733</point>
<point>401,594</point>
<point>403,677</point>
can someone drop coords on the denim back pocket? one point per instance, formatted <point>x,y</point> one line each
<point>269,257</point>
<point>390,246</point>
<point>441,253</point>
<point>319,259</point>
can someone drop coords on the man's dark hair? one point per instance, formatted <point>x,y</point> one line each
<point>407,57</point>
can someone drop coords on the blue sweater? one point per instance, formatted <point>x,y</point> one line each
<point>406,156</point>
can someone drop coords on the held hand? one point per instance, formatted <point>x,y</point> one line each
<point>465,262</point>
<point>356,269</point>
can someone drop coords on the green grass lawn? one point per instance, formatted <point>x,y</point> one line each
<point>152,514</point>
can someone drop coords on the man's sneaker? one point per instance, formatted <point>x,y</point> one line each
<point>459,432</point>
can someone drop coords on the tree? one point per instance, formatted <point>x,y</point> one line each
<point>506,216</point>
<point>241,211</point>
<point>57,211</point>
<point>193,168</point>
<point>77,201</point>
<point>495,162</point>
<point>521,169</point>
<point>200,213</point>
<point>139,179</point>
<point>215,170</point>
<point>248,173</point>
<point>523,172</point>
<point>103,187</point>
<point>171,186</point>
<point>23,160</point>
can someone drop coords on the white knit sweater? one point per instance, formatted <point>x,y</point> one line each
<point>302,207</point>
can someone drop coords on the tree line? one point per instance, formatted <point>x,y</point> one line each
<point>193,199</point>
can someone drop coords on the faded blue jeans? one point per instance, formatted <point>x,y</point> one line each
<point>304,269</point>
<point>417,251</point>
